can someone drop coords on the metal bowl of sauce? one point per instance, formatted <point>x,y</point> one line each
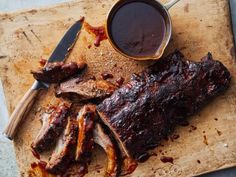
<point>140,29</point>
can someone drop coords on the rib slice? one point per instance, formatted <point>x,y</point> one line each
<point>64,153</point>
<point>77,90</point>
<point>103,140</point>
<point>53,125</point>
<point>85,118</point>
<point>146,109</point>
<point>55,72</point>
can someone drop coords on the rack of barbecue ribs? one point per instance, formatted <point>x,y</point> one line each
<point>138,115</point>
<point>147,108</point>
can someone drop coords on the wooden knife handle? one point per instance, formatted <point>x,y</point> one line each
<point>20,112</point>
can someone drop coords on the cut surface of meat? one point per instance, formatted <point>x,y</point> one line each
<point>103,140</point>
<point>55,72</point>
<point>77,90</point>
<point>64,153</point>
<point>85,143</point>
<point>53,125</point>
<point>146,109</point>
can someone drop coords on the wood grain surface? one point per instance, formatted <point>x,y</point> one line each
<point>198,27</point>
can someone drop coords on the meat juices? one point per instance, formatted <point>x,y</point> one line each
<point>137,28</point>
<point>146,109</point>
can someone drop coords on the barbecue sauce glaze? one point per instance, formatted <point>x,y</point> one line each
<point>138,29</point>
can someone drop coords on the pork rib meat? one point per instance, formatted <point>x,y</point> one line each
<point>55,72</point>
<point>64,153</point>
<point>53,125</point>
<point>147,108</point>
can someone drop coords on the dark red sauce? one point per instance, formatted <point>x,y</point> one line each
<point>120,81</point>
<point>192,128</point>
<point>81,19</point>
<point>205,140</point>
<point>166,159</point>
<point>42,62</point>
<point>138,28</point>
<point>39,169</point>
<point>106,75</point>
<point>174,137</point>
<point>98,32</point>
<point>33,165</point>
<point>42,164</point>
<point>219,132</point>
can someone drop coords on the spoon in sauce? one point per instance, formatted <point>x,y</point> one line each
<point>140,29</point>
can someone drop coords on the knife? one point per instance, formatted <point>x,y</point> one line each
<point>60,53</point>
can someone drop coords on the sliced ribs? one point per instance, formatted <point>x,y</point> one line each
<point>76,90</point>
<point>148,107</point>
<point>85,118</point>
<point>103,140</point>
<point>64,153</point>
<point>54,123</point>
<point>55,72</point>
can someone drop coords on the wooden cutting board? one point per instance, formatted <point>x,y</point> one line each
<point>198,27</point>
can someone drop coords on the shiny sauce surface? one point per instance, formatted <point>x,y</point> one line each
<point>138,29</point>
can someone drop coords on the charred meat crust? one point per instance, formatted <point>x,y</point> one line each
<point>146,109</point>
<point>53,125</point>
<point>85,118</point>
<point>77,90</point>
<point>55,72</point>
<point>103,140</point>
<point>65,150</point>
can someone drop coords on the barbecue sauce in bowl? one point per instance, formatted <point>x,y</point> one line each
<point>137,28</point>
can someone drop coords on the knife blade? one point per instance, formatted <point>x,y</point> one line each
<point>60,53</point>
<point>63,49</point>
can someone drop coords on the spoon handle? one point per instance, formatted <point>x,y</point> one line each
<point>169,4</point>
